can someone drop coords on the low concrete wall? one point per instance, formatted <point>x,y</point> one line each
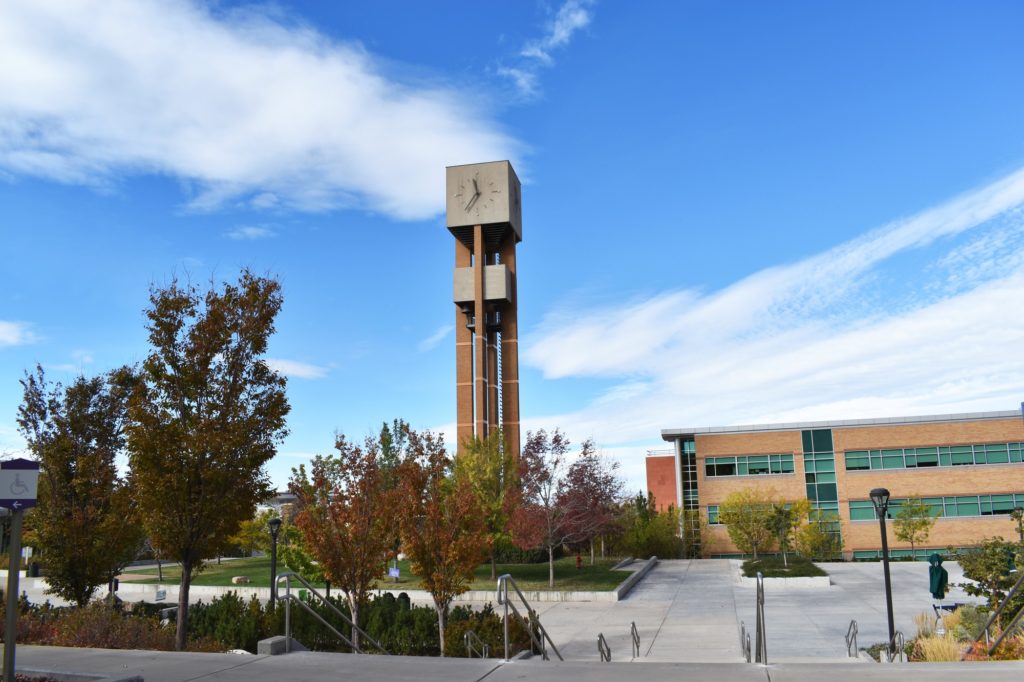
<point>821,582</point>
<point>629,583</point>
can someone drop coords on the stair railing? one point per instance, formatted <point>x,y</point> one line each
<point>603,648</point>
<point>744,641</point>
<point>538,635</point>
<point>635,636</point>
<point>896,648</point>
<point>475,645</point>
<point>995,614</point>
<point>760,637</point>
<point>851,640</point>
<point>290,598</point>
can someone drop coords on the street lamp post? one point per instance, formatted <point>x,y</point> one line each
<point>880,498</point>
<point>274,525</point>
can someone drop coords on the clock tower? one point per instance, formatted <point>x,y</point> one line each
<point>484,214</point>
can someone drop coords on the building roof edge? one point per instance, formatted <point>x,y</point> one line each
<point>674,434</point>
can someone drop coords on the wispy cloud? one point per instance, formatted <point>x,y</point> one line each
<point>250,232</point>
<point>300,370</point>
<point>571,17</point>
<point>861,330</point>
<point>80,358</point>
<point>437,337</point>
<point>220,99</point>
<point>16,333</point>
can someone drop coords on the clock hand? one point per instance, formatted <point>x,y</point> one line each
<point>476,189</point>
<point>472,201</point>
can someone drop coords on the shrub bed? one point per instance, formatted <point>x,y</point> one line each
<point>773,567</point>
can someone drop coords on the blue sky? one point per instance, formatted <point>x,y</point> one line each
<point>733,212</point>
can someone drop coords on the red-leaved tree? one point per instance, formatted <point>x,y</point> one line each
<point>589,495</point>
<point>347,517</point>
<point>443,528</point>
<point>543,519</point>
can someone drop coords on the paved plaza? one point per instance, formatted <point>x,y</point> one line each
<point>687,614</point>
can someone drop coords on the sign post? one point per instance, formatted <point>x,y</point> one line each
<point>19,479</point>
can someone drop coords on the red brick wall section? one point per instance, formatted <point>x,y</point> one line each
<point>661,480</point>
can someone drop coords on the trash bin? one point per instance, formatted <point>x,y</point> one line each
<point>33,570</point>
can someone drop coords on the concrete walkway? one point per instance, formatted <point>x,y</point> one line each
<point>319,667</point>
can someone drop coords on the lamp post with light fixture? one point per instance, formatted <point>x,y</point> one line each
<point>274,525</point>
<point>880,498</point>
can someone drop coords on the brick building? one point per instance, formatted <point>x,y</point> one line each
<point>968,467</point>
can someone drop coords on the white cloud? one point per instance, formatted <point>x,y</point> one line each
<point>240,105</point>
<point>250,232</point>
<point>81,358</point>
<point>437,337</point>
<point>843,334</point>
<point>300,370</point>
<point>16,333</point>
<point>572,16</point>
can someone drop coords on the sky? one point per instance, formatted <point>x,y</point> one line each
<point>733,212</point>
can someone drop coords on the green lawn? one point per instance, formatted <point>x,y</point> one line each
<point>527,576</point>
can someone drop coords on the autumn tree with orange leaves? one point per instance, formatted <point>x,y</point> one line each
<point>443,528</point>
<point>347,517</point>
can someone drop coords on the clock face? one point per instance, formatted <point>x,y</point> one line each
<point>478,195</point>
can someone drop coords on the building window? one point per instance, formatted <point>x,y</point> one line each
<point>946,507</point>
<point>749,465</point>
<point>935,456</point>
<point>713,515</point>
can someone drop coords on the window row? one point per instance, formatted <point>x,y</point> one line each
<point>748,465</point>
<point>969,505</point>
<point>944,456</point>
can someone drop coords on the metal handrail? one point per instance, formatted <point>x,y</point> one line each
<point>532,622</point>
<point>289,598</point>
<point>475,645</point>
<point>995,614</point>
<point>896,646</point>
<point>603,649</point>
<point>851,640</point>
<point>635,635</point>
<point>760,637</point>
<point>744,641</point>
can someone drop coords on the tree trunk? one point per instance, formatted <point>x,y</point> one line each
<point>353,608</point>
<point>159,569</point>
<point>494,574</point>
<point>440,626</point>
<point>785,561</point>
<point>602,547</point>
<point>551,565</point>
<point>591,551</point>
<point>181,634</point>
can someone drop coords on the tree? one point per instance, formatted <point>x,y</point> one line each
<point>489,469</point>
<point>590,494</point>
<point>785,518</point>
<point>747,515</point>
<point>205,418</point>
<point>819,537</point>
<point>648,532</point>
<point>442,525</point>
<point>988,565</point>
<point>913,522</point>
<point>347,518</point>
<point>253,533</point>
<point>85,524</point>
<point>543,520</point>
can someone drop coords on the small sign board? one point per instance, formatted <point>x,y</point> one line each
<point>19,479</point>
<point>160,595</point>
<point>393,572</point>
